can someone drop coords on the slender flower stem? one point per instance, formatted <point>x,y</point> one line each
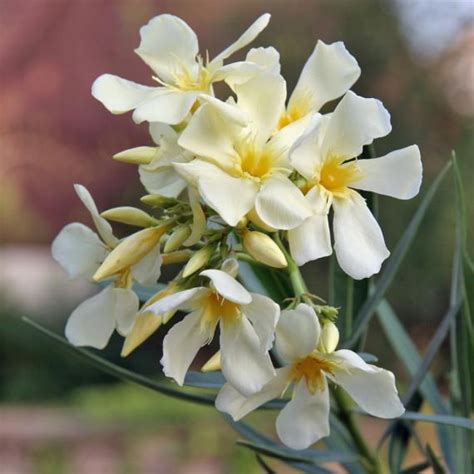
<point>372,461</point>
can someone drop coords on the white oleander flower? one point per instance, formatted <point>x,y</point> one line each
<point>170,47</point>
<point>326,157</point>
<point>329,73</point>
<point>310,362</point>
<point>80,251</point>
<point>247,323</point>
<point>156,170</point>
<point>242,164</point>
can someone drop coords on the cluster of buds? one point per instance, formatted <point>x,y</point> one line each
<point>250,177</point>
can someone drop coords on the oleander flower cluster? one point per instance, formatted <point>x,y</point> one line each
<point>259,175</point>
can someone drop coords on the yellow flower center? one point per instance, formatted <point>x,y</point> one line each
<point>253,163</point>
<point>312,370</point>
<point>217,308</point>
<point>291,115</point>
<point>335,176</point>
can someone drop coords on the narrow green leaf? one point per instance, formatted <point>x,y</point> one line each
<point>435,464</point>
<point>416,468</point>
<point>367,311</point>
<point>266,468</point>
<point>122,373</point>
<point>213,380</point>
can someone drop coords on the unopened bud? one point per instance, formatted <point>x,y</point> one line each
<point>242,224</point>
<point>129,215</point>
<point>168,290</point>
<point>329,337</point>
<point>327,312</point>
<point>214,363</point>
<point>142,155</point>
<point>263,249</point>
<point>156,200</point>
<point>230,266</point>
<point>176,239</point>
<point>197,261</point>
<point>130,251</point>
<point>145,325</point>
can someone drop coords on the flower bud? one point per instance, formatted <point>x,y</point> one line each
<point>129,215</point>
<point>130,251</point>
<point>197,261</point>
<point>142,155</point>
<point>329,337</point>
<point>263,249</point>
<point>156,200</point>
<point>145,325</point>
<point>230,266</point>
<point>214,363</point>
<point>176,239</point>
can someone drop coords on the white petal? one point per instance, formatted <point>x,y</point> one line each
<point>281,205</point>
<point>306,155</point>
<point>329,73</point>
<point>230,266</point>
<point>199,219</point>
<point>167,106</point>
<point>126,309</point>
<point>297,332</point>
<point>181,345</point>
<point>244,363</point>
<point>359,243</point>
<point>211,134</point>
<point>263,313</point>
<point>163,181</point>
<point>231,197</point>
<point>355,122</point>
<point>371,387</point>
<point>286,137</point>
<point>268,58</point>
<point>168,45</point>
<point>103,227</point>
<point>93,321</point>
<point>397,174</point>
<point>228,287</point>
<point>78,250</point>
<point>162,131</point>
<point>247,37</point>
<point>120,95</point>
<point>148,270</point>
<point>230,401</point>
<point>305,419</point>
<point>180,300</point>
<point>262,98</point>
<point>311,240</point>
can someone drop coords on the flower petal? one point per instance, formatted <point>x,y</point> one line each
<point>262,98</point>
<point>359,243</point>
<point>231,197</point>
<point>397,174</point>
<point>168,45</point>
<point>211,134</point>
<point>120,95</point>
<point>355,122</point>
<point>297,332</point>
<point>305,419</point>
<point>181,345</point>
<point>247,37</point>
<point>93,321</point>
<point>148,270</point>
<point>167,105</point>
<point>280,204</point>
<point>263,313</point>
<point>230,401</point>
<point>163,181</point>
<point>329,72</point>
<point>78,250</point>
<point>311,240</point>
<point>371,387</point>
<point>180,300</point>
<point>228,287</point>
<point>244,364</point>
<point>126,309</point>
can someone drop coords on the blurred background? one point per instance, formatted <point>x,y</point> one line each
<point>58,415</point>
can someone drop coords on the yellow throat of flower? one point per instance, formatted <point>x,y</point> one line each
<point>312,370</point>
<point>185,81</point>
<point>254,163</point>
<point>336,176</point>
<point>216,308</point>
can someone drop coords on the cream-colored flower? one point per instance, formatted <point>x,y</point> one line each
<point>247,323</point>
<point>170,47</point>
<point>305,418</point>
<point>241,162</point>
<point>326,157</point>
<point>80,251</point>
